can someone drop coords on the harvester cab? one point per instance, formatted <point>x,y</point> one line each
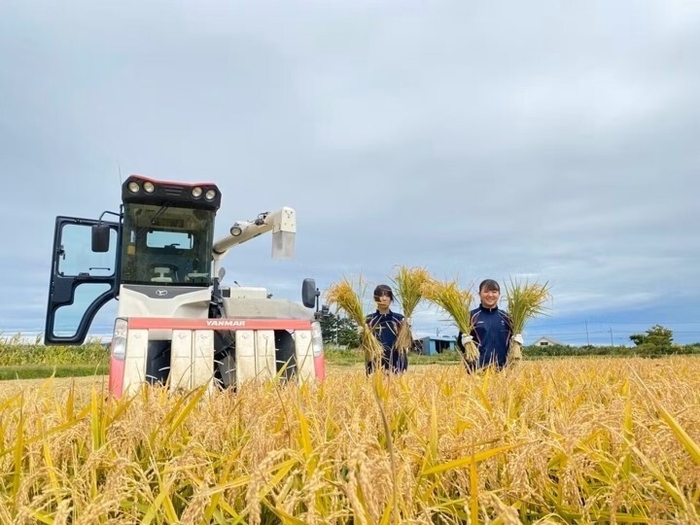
<point>177,323</point>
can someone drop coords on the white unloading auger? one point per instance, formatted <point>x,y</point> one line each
<point>282,224</point>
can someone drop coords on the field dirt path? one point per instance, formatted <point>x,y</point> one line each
<point>61,385</point>
<point>12,387</point>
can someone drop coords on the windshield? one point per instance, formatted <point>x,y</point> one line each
<point>166,245</point>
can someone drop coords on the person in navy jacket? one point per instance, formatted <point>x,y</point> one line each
<point>492,329</point>
<point>385,326</point>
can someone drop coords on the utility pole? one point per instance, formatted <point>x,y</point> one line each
<point>588,342</point>
<point>611,338</point>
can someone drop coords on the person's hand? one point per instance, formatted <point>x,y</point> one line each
<point>409,321</point>
<point>466,339</point>
<point>360,329</point>
<point>515,353</point>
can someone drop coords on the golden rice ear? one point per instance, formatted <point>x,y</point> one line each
<point>408,287</point>
<point>344,296</point>
<point>453,300</point>
<point>525,301</point>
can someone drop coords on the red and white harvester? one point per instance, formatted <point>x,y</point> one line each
<point>176,323</point>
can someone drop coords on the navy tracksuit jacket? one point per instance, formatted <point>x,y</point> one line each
<point>385,328</point>
<point>492,331</point>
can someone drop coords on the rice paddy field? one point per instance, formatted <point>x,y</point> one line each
<point>565,441</point>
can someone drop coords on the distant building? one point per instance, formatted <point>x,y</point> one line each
<point>545,341</point>
<point>434,344</point>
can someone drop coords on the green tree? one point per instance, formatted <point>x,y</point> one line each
<point>340,331</point>
<point>656,341</point>
<point>657,335</point>
<point>347,333</point>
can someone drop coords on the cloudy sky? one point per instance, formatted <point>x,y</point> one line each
<point>557,141</point>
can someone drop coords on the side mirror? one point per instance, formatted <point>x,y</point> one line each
<point>100,238</point>
<point>309,293</point>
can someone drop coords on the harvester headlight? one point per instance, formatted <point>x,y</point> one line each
<point>236,230</point>
<point>149,187</point>
<point>196,192</point>
<point>317,339</point>
<point>118,346</point>
<point>209,195</point>
<point>134,187</point>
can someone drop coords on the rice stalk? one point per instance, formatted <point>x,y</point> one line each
<point>570,427</point>
<point>345,297</point>
<point>525,301</point>
<point>408,285</point>
<point>457,303</point>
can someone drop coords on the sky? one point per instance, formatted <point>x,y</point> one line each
<point>555,142</point>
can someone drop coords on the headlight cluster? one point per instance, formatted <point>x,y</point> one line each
<point>135,187</point>
<point>197,193</point>
<point>142,190</point>
<point>118,345</point>
<point>316,339</point>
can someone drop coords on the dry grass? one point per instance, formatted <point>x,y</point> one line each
<point>585,440</point>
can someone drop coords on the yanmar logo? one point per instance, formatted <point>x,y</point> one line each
<point>228,323</point>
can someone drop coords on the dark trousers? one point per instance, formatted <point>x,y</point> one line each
<point>392,361</point>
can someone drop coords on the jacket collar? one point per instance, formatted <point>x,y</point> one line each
<point>484,309</point>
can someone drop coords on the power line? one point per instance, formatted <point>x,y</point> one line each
<point>583,321</point>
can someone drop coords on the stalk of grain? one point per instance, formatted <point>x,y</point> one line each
<point>457,303</point>
<point>408,285</point>
<point>283,454</point>
<point>344,297</point>
<point>525,301</point>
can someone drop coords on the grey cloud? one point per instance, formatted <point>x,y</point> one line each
<point>491,140</point>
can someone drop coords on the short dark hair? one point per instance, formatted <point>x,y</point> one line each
<point>383,289</point>
<point>489,284</point>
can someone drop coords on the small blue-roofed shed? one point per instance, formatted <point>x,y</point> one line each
<point>435,344</point>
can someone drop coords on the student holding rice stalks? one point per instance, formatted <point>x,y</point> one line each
<point>386,326</point>
<point>492,330</point>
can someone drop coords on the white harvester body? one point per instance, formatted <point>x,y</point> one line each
<point>176,323</point>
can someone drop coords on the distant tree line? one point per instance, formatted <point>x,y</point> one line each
<point>656,341</point>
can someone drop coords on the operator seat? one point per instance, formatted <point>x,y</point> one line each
<point>162,275</point>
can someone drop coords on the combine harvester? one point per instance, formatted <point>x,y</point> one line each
<point>176,324</point>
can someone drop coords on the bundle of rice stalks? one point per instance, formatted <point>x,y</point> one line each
<point>457,303</point>
<point>344,297</point>
<point>525,301</point>
<point>408,285</point>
